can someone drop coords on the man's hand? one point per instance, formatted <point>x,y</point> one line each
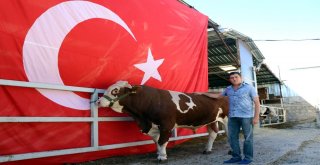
<point>257,110</point>
<point>255,120</point>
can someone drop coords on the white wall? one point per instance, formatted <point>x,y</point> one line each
<point>246,61</point>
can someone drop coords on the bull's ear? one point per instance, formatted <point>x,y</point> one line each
<point>136,89</point>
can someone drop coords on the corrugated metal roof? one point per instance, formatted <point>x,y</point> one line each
<point>218,55</point>
<point>225,52</point>
<point>266,76</point>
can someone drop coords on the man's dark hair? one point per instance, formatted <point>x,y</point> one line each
<point>233,73</point>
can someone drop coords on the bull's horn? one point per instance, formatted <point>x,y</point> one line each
<point>128,85</point>
<point>124,84</point>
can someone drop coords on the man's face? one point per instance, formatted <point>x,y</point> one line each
<point>235,79</point>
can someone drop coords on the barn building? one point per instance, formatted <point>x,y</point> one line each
<point>229,50</point>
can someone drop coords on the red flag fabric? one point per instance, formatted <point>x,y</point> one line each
<point>92,44</point>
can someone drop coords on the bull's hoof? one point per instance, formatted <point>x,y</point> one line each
<point>162,161</point>
<point>206,152</point>
<point>229,152</point>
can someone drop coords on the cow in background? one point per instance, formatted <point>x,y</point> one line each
<point>157,112</point>
<point>268,113</point>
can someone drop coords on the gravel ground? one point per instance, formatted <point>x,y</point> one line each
<point>299,144</point>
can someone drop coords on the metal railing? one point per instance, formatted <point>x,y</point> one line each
<point>278,118</point>
<point>94,119</point>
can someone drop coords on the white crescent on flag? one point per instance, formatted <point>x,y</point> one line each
<point>44,39</point>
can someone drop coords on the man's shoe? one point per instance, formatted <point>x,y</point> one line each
<point>245,161</point>
<point>232,160</point>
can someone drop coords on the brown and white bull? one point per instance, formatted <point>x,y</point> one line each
<point>157,112</point>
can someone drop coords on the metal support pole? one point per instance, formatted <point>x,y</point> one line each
<point>175,132</point>
<point>94,123</point>
<point>254,75</point>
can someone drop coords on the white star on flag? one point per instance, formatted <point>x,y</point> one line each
<point>150,68</point>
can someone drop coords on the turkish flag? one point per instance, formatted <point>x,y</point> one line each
<point>92,44</point>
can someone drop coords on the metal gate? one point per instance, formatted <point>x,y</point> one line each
<point>278,116</point>
<point>94,119</point>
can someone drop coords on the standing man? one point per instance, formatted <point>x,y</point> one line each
<point>241,115</point>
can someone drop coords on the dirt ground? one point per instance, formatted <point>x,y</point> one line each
<point>293,145</point>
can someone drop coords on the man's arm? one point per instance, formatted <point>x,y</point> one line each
<point>256,110</point>
<point>212,95</point>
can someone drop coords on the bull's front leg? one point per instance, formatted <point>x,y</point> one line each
<point>165,134</point>
<point>155,133</point>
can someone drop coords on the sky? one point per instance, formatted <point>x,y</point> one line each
<point>277,20</point>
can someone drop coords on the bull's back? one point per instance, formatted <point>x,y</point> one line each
<point>168,106</point>
<point>207,110</point>
<point>153,103</point>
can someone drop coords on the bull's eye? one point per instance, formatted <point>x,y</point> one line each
<point>115,92</point>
